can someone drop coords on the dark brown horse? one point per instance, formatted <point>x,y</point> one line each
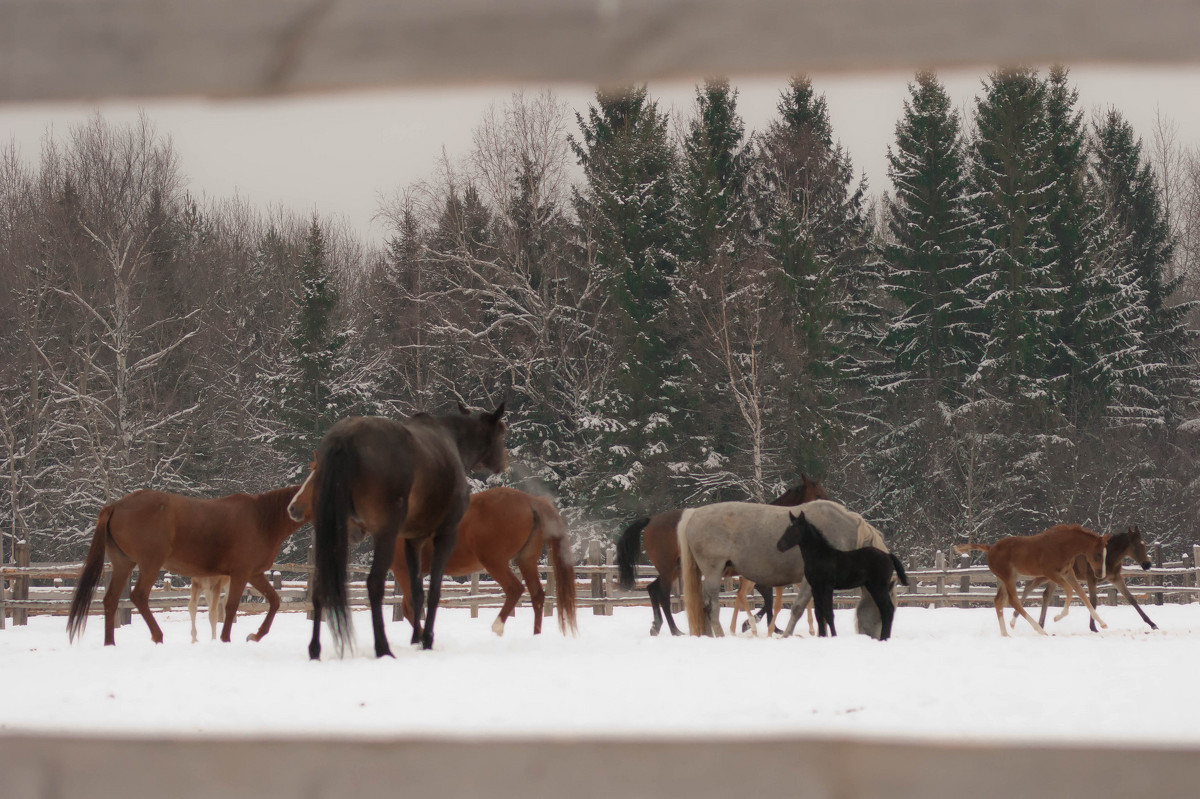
<point>502,525</point>
<point>238,535</point>
<point>393,481</point>
<point>1050,555</point>
<point>1128,544</point>
<point>662,547</point>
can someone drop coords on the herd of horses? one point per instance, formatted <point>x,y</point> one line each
<point>404,484</point>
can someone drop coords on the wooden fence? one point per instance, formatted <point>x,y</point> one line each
<point>31,589</point>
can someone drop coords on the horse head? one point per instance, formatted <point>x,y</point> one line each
<point>300,508</point>
<point>797,528</point>
<point>1098,557</point>
<point>806,491</point>
<point>1136,547</point>
<point>479,436</point>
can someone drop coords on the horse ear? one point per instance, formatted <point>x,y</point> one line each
<point>496,414</point>
<point>793,518</point>
<point>463,409</point>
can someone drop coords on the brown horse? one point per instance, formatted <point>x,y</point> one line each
<point>662,547</point>
<point>393,481</point>
<point>238,535</point>
<point>1128,544</point>
<point>501,525</point>
<point>1050,555</point>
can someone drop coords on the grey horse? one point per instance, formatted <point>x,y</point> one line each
<point>743,536</point>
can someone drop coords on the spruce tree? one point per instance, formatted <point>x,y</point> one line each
<point>629,224</point>
<point>932,344</point>
<point>1132,205</point>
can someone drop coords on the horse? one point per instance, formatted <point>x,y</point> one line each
<point>501,525</point>
<point>662,547</point>
<point>1128,544</point>
<point>392,480</point>
<point>827,569</point>
<point>238,535</point>
<point>744,536</point>
<point>212,588</point>
<point>1049,555</point>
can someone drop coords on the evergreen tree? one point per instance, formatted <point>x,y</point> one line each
<point>1132,205</point>
<point>308,394</point>
<point>1016,284</point>
<point>810,223</point>
<point>932,344</point>
<point>628,218</point>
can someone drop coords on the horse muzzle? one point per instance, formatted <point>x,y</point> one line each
<point>1145,565</point>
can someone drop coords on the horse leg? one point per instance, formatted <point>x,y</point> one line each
<point>122,567</point>
<point>823,601</point>
<point>385,549</point>
<point>777,608</point>
<point>141,598</point>
<point>866,616</point>
<point>216,608</point>
<point>887,611</point>
<point>237,587</point>
<point>416,591</point>
<point>314,645</point>
<point>652,590</point>
<point>999,601</point>
<point>512,590</point>
<point>537,595</point>
<point>712,600</point>
<point>1072,581</point>
<point>193,601</point>
<point>1010,589</point>
<point>740,603</point>
<point>804,595</point>
<point>1026,590</point>
<point>1091,581</point>
<point>664,601</point>
<point>1047,595</point>
<point>768,608</point>
<point>443,547</point>
<point>264,587</point>
<point>1119,582</point>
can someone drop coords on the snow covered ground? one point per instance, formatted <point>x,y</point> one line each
<point>946,675</point>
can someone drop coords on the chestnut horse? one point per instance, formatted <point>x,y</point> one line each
<point>237,535</point>
<point>1128,544</point>
<point>1049,555</point>
<point>393,481</point>
<point>501,525</point>
<point>662,547</point>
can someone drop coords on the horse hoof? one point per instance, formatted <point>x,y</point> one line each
<point>252,637</point>
<point>498,627</point>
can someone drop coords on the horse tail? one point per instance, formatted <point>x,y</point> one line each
<point>693,598</point>
<point>900,575</point>
<point>331,542</point>
<point>562,560</point>
<point>629,545</point>
<point>89,578</point>
<point>960,548</point>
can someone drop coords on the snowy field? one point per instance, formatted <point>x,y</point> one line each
<point>946,675</point>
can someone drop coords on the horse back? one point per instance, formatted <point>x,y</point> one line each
<point>660,539</point>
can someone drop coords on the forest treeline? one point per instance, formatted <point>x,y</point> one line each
<point>676,313</point>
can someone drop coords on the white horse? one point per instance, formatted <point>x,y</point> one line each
<point>214,588</point>
<point>743,536</point>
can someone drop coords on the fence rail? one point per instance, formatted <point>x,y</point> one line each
<point>46,588</point>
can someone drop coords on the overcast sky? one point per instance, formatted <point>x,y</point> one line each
<point>338,154</point>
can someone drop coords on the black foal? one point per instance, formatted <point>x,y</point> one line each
<point>827,568</point>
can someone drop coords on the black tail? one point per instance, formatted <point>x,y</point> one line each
<point>89,578</point>
<point>629,547</point>
<point>900,575</point>
<point>335,475</point>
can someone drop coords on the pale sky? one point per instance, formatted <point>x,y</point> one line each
<point>339,154</point>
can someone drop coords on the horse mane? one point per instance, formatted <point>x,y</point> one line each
<point>272,508</point>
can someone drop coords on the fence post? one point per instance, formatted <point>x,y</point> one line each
<point>594,559</point>
<point>475,593</point>
<point>551,593</point>
<point>939,563</point>
<point>1156,559</point>
<point>964,582</point>
<point>21,584</point>
<point>1196,566</point>
<point>397,607</point>
<point>125,610</point>
<point>610,588</point>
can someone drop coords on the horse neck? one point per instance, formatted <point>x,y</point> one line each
<point>274,522</point>
<point>815,542</point>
